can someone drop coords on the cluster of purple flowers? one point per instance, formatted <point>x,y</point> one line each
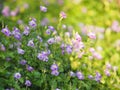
<point>98,77</point>
<point>50,28</point>
<point>69,49</point>
<point>7,12</point>
<point>43,55</point>
<point>54,68</point>
<point>28,67</point>
<point>66,48</point>
<point>77,43</point>
<point>18,76</point>
<point>26,30</point>
<point>16,33</point>
<point>76,46</point>
<point>78,74</point>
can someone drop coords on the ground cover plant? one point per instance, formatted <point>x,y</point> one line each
<point>59,45</point>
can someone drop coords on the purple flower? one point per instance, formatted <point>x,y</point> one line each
<point>72,74</point>
<point>20,51</point>
<point>69,49</point>
<point>26,30</point>
<point>90,76</point>
<point>57,89</point>
<point>7,89</point>
<point>57,39</point>
<point>2,47</point>
<point>43,8</point>
<point>12,89</point>
<point>39,38</point>
<point>107,73</point>
<point>20,22</point>
<point>28,83</point>
<point>51,28</point>
<point>92,50</point>
<point>80,75</point>
<point>115,26</point>
<point>48,52</point>
<point>54,67</point>
<point>14,12</point>
<point>17,75</point>
<point>26,5</point>
<point>30,43</point>
<point>8,59</point>
<point>91,35</point>
<point>78,37</point>
<point>77,46</point>
<point>44,22</point>
<point>15,30</point>
<point>6,31</point>
<point>17,35</point>
<point>55,72</point>
<point>23,62</point>
<point>63,51</point>
<point>62,46</point>
<point>6,11</point>
<point>63,14</point>
<point>29,68</point>
<point>108,66</point>
<point>97,56</point>
<point>48,31</point>
<point>32,23</point>
<point>98,77</point>
<point>43,56</point>
<point>51,41</point>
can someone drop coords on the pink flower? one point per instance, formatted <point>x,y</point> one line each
<point>91,35</point>
<point>92,50</point>
<point>6,11</point>
<point>78,37</point>
<point>63,14</point>
<point>43,8</point>
<point>97,55</point>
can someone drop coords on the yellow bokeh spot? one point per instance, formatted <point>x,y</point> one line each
<point>75,64</point>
